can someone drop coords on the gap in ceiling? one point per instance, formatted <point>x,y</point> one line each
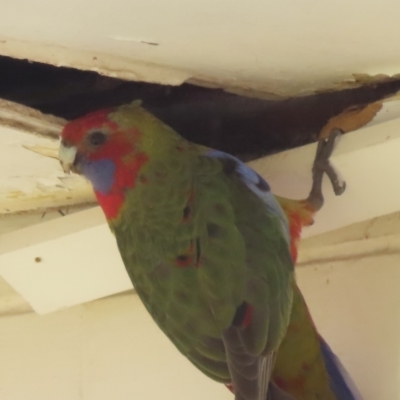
<point>245,126</point>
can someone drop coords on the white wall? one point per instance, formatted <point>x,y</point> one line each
<point>111,349</point>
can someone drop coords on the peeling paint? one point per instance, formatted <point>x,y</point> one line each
<point>30,181</point>
<point>105,64</point>
<point>352,118</point>
<point>28,120</point>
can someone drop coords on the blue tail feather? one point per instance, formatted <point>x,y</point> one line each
<point>341,383</point>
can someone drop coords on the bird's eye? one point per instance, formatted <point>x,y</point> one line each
<point>97,138</point>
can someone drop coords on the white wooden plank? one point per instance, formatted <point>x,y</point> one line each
<point>283,48</point>
<point>63,262</point>
<point>78,256</point>
<point>30,181</point>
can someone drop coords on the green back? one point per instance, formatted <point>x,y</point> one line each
<point>198,244</point>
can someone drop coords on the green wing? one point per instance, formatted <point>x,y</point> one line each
<point>211,263</point>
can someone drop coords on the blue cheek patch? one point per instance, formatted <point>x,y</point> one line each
<point>100,173</point>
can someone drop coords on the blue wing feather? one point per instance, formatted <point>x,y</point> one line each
<point>257,185</point>
<point>341,384</point>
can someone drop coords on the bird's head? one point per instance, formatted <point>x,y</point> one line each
<point>106,147</point>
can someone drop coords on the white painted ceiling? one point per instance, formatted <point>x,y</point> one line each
<point>282,47</point>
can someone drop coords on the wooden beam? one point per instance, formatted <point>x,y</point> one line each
<point>29,181</point>
<point>75,259</point>
<point>63,262</point>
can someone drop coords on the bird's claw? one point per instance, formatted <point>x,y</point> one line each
<point>322,165</point>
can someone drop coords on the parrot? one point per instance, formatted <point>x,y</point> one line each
<point>210,252</point>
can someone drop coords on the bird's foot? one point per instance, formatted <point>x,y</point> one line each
<point>322,165</point>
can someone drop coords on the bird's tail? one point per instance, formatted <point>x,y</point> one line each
<point>305,366</point>
<point>341,383</point>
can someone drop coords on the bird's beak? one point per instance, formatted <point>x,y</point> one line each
<point>66,155</point>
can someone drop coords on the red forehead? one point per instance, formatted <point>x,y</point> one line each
<point>75,130</point>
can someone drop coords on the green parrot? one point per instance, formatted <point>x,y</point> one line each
<point>208,249</point>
